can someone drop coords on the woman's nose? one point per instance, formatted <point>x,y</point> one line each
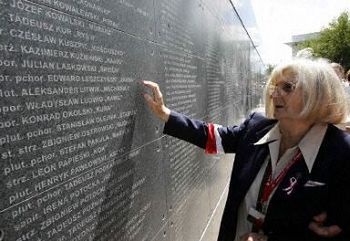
<point>275,93</point>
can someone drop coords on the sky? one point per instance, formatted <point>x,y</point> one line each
<point>277,20</point>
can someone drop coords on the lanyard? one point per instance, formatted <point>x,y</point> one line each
<point>270,184</point>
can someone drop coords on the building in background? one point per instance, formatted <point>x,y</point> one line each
<point>296,39</point>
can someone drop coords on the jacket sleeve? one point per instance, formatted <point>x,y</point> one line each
<point>211,137</point>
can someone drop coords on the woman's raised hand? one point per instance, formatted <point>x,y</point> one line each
<point>156,102</point>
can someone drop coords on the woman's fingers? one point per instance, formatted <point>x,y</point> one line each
<point>325,231</point>
<point>157,98</point>
<point>151,103</point>
<point>320,218</point>
<point>157,94</point>
<point>156,102</point>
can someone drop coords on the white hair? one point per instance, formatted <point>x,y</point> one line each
<point>324,97</point>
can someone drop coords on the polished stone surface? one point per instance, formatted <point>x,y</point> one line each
<point>81,155</point>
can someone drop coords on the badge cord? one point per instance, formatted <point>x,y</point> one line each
<point>268,186</point>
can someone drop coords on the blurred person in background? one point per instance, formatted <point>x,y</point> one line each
<point>290,178</point>
<point>348,76</point>
<point>347,85</point>
<point>347,90</point>
<point>306,53</point>
<point>339,70</point>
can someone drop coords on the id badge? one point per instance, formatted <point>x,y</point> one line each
<point>255,217</point>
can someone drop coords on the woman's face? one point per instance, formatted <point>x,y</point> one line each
<point>287,100</point>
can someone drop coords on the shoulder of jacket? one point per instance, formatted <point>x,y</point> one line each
<point>339,136</point>
<point>260,121</point>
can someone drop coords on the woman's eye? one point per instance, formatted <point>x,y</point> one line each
<point>288,87</point>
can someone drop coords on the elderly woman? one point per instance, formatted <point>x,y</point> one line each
<point>290,179</point>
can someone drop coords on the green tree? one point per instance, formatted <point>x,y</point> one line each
<point>333,42</point>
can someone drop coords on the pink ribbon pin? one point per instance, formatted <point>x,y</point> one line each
<point>292,182</point>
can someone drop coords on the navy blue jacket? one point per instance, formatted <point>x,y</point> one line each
<point>288,216</point>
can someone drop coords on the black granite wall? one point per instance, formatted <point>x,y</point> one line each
<point>81,156</point>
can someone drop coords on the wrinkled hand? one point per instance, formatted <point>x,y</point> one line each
<point>253,237</point>
<point>156,102</point>
<point>324,231</point>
